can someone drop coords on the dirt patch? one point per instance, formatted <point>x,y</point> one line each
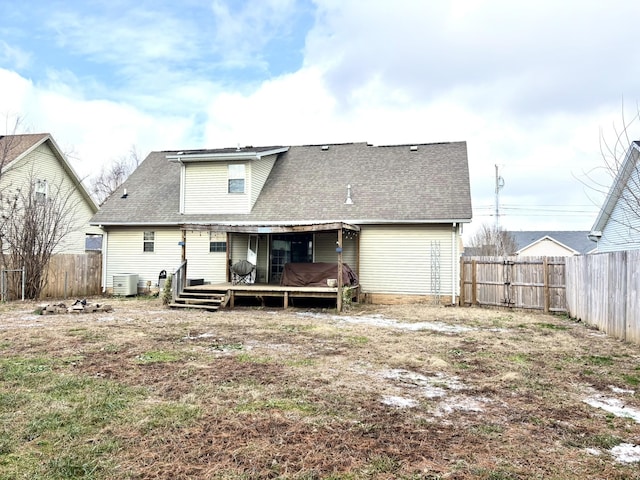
<point>411,391</point>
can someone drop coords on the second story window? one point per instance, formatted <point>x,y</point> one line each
<point>149,240</point>
<point>236,178</point>
<point>41,190</point>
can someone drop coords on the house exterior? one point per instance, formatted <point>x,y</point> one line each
<point>617,226</point>
<point>551,243</point>
<point>37,158</point>
<point>395,212</point>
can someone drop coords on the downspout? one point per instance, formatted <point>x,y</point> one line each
<point>182,185</point>
<point>105,249</point>
<point>454,262</point>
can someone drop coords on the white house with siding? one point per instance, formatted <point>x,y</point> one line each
<point>617,226</point>
<point>397,211</point>
<point>37,158</point>
<point>556,243</point>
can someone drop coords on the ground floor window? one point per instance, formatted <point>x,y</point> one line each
<point>217,247</point>
<point>217,242</point>
<point>149,241</point>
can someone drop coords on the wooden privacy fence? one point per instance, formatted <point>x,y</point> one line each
<point>76,276</point>
<point>604,290</point>
<point>536,283</point>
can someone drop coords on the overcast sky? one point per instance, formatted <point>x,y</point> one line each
<point>529,85</point>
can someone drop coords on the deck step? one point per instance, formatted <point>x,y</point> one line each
<point>202,295</point>
<point>200,300</point>
<point>210,308</point>
<point>196,298</point>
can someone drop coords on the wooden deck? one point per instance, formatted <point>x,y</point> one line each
<point>260,291</point>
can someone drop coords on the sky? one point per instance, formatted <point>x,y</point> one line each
<point>531,86</point>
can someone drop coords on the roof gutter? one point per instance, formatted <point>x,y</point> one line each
<point>221,157</point>
<point>281,223</point>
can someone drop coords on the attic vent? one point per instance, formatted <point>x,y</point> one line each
<point>325,147</point>
<point>348,201</point>
<point>413,148</point>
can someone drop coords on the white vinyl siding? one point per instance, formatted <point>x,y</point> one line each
<point>324,249</point>
<point>259,172</point>
<point>43,164</point>
<point>202,263</point>
<point>206,190</point>
<point>622,231</point>
<point>125,254</point>
<point>239,246</point>
<point>546,248</point>
<point>398,259</point>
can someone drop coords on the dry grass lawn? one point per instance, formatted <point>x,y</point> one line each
<point>381,392</point>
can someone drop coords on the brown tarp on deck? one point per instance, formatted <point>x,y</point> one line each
<point>315,274</point>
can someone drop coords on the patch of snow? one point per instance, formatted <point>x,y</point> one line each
<point>399,402</point>
<point>614,406</point>
<point>202,335</point>
<point>593,451</point>
<point>461,404</point>
<point>621,390</point>
<point>626,453</point>
<point>430,387</point>
<point>381,321</point>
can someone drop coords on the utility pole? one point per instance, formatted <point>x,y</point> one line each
<point>499,185</point>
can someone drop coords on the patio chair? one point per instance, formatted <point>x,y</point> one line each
<point>242,272</point>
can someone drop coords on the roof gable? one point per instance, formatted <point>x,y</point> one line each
<point>14,148</point>
<point>620,183</point>
<point>575,241</point>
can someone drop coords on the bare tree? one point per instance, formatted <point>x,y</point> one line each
<point>493,241</point>
<point>619,173</point>
<point>36,217</point>
<point>110,178</point>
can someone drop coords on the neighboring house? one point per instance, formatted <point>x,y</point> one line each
<point>397,212</point>
<point>551,243</point>
<point>617,226</point>
<point>37,158</point>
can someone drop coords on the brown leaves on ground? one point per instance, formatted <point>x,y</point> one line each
<point>254,393</point>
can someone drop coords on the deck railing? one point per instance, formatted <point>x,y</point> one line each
<point>178,280</point>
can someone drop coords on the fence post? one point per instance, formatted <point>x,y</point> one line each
<point>545,273</point>
<point>461,298</point>
<point>474,282</point>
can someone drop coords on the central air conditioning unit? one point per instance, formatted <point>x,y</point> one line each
<point>125,284</point>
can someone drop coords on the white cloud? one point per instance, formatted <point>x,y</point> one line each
<point>528,86</point>
<point>14,56</point>
<point>93,132</point>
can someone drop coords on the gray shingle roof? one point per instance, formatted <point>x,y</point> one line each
<point>309,184</point>
<point>577,240</point>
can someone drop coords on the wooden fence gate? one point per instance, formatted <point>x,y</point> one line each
<point>535,283</point>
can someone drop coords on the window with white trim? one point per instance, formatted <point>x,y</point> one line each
<point>148,244</point>
<point>217,242</point>
<point>236,178</point>
<point>41,190</point>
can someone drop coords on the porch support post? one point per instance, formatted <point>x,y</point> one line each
<point>183,256</point>
<point>339,299</point>
<point>227,274</point>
